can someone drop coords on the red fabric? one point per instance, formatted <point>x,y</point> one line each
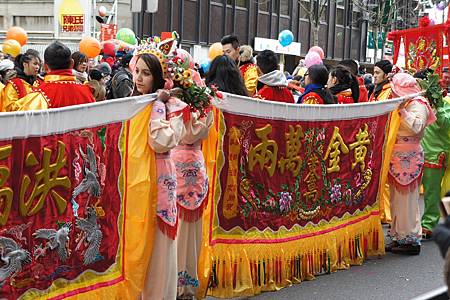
<point>312,97</point>
<point>363,93</point>
<point>48,268</point>
<point>65,91</point>
<point>19,86</point>
<point>276,93</point>
<point>345,98</point>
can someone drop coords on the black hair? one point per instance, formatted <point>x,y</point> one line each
<point>78,59</point>
<point>57,56</point>
<point>346,79</point>
<point>267,61</point>
<point>230,39</point>
<point>155,67</point>
<point>25,58</point>
<point>351,65</point>
<point>318,74</point>
<point>423,74</point>
<point>224,74</point>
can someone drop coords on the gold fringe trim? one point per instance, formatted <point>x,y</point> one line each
<point>247,270</point>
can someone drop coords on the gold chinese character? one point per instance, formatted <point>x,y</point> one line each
<point>265,153</point>
<point>310,197</point>
<point>6,193</point>
<point>362,139</point>
<point>337,145</point>
<point>292,161</point>
<point>46,180</point>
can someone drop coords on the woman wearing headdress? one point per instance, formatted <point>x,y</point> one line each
<point>166,129</point>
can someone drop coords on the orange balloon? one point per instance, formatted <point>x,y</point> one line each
<point>90,46</point>
<point>11,47</point>
<point>215,50</point>
<point>17,33</point>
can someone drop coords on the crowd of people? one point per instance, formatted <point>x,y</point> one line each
<point>63,79</point>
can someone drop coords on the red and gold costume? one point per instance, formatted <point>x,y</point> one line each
<point>60,88</point>
<point>312,98</point>
<point>250,76</point>
<point>15,89</point>
<point>345,97</point>
<point>275,93</point>
<point>384,94</point>
<point>363,93</point>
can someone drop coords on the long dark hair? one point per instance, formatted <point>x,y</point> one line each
<point>346,80</point>
<point>78,59</point>
<point>22,59</point>
<point>225,75</point>
<point>318,74</point>
<point>155,68</point>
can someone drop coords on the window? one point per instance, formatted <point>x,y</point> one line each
<point>264,5</point>
<point>34,22</point>
<point>340,16</point>
<point>239,3</point>
<point>304,9</point>
<point>284,7</point>
<point>324,14</point>
<point>356,18</point>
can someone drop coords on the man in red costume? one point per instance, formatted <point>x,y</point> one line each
<point>60,87</point>
<point>272,84</point>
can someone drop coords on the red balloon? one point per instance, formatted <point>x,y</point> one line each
<point>318,50</point>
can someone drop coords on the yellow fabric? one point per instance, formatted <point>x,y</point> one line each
<point>251,79</point>
<point>32,101</point>
<point>139,228</point>
<point>240,269</point>
<point>2,86</point>
<point>9,96</point>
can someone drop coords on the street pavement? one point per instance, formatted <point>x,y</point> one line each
<point>389,277</point>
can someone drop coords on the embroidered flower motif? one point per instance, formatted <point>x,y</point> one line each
<point>321,136</point>
<point>285,201</point>
<point>335,193</point>
<point>270,202</point>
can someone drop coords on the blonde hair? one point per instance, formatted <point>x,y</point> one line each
<point>98,90</point>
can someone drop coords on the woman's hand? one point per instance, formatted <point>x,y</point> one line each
<point>163,95</point>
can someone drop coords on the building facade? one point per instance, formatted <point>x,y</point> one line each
<point>342,32</point>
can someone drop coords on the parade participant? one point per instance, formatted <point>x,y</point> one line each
<point>272,84</point>
<point>315,92</point>
<point>353,66</point>
<point>231,47</point>
<point>6,70</point>
<point>368,82</point>
<point>436,146</point>
<point>166,129</point>
<point>343,85</point>
<point>80,62</point>
<point>405,178</point>
<point>27,67</point>
<point>224,74</point>
<point>248,69</point>
<point>192,192</point>
<point>121,85</point>
<point>60,87</point>
<point>382,89</point>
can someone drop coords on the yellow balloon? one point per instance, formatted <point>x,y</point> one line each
<point>215,50</point>
<point>11,47</point>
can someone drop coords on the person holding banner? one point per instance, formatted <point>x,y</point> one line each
<point>60,87</point>
<point>406,166</point>
<point>315,92</point>
<point>27,67</point>
<point>165,131</point>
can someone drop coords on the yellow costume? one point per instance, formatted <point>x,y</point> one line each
<point>14,90</point>
<point>250,75</point>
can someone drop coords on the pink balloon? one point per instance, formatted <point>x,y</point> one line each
<point>312,58</point>
<point>318,50</point>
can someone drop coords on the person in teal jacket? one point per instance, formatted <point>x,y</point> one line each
<point>436,145</point>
